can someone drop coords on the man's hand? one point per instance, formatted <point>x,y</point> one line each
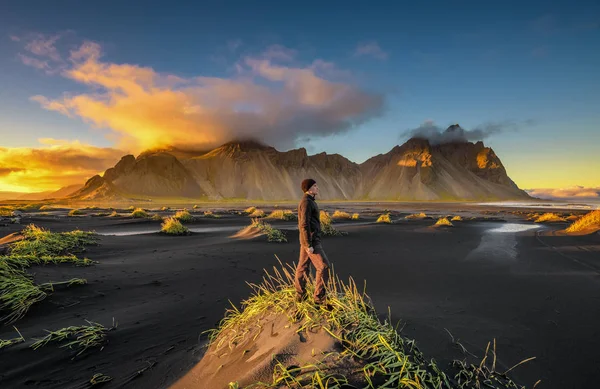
<point>310,250</point>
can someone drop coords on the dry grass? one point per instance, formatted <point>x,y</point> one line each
<point>172,226</point>
<point>114,214</point>
<point>273,234</point>
<point>249,210</point>
<point>183,216</point>
<point>138,213</point>
<point>443,221</point>
<point>75,212</point>
<point>257,213</point>
<point>46,208</point>
<point>211,215</point>
<point>341,215</point>
<point>456,219</point>
<point>384,218</point>
<point>327,227</point>
<point>281,214</point>
<point>420,215</point>
<point>549,217</point>
<point>355,216</point>
<point>588,222</point>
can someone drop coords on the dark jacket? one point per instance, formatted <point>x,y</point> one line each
<point>309,223</point>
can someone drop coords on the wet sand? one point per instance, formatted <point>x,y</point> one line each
<point>535,293</point>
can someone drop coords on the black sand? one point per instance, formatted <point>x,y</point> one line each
<point>541,299</point>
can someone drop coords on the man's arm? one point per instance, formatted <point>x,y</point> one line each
<point>304,223</point>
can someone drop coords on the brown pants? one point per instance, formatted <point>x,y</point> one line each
<point>319,260</point>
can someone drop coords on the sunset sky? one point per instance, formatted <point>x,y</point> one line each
<point>83,83</point>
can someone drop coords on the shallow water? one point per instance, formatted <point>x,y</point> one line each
<point>499,244</point>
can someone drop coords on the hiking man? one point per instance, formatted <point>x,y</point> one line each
<point>311,251</point>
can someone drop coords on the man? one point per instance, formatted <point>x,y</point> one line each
<point>311,250</point>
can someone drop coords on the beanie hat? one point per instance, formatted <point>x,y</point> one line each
<point>307,184</point>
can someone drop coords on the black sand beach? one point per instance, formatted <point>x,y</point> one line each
<point>537,294</point>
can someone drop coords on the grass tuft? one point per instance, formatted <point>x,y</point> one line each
<point>114,214</point>
<point>41,242</point>
<point>384,218</point>
<point>10,342</point>
<point>327,227</point>
<point>139,213</point>
<point>341,215</point>
<point>420,215</point>
<point>156,217</point>
<point>355,216</point>
<point>46,208</point>
<point>79,338</point>
<point>211,215</point>
<point>282,215</point>
<point>184,216</point>
<point>549,217</point>
<point>273,234</point>
<point>257,213</point>
<point>172,226</point>
<point>589,221</point>
<point>443,221</point>
<point>99,378</point>
<point>249,210</point>
<point>75,212</point>
<point>456,218</point>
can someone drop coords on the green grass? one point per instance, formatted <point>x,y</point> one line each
<point>10,342</point>
<point>183,216</point>
<point>386,359</point>
<point>78,338</point>
<point>172,226</point>
<point>41,242</point>
<point>281,214</point>
<point>384,218</point>
<point>273,234</point>
<point>139,213</point>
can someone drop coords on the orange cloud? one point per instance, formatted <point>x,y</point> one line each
<point>276,104</point>
<point>55,164</point>
<point>571,192</point>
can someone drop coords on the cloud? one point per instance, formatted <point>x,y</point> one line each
<point>42,52</point>
<point>54,164</point>
<point>371,49</point>
<point>14,38</point>
<point>573,192</point>
<point>455,133</point>
<point>266,101</point>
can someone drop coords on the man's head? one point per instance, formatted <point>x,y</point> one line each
<point>310,186</point>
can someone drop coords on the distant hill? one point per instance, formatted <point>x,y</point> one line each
<point>52,194</point>
<point>416,170</point>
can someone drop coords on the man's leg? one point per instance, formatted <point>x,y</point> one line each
<point>321,263</point>
<point>301,273</point>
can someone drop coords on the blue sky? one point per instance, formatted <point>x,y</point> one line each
<point>531,67</point>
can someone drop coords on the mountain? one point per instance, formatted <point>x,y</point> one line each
<point>416,170</point>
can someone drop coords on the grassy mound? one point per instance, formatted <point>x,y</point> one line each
<point>114,214</point>
<point>362,351</point>
<point>327,227</point>
<point>75,212</point>
<point>46,208</point>
<point>281,214</point>
<point>40,242</point>
<point>172,226</point>
<point>549,217</point>
<point>260,227</point>
<point>257,213</point>
<point>355,216</point>
<point>341,215</point>
<point>211,215</point>
<point>443,221</point>
<point>138,213</point>
<point>183,216</point>
<point>384,218</point>
<point>589,222</point>
<point>456,218</point>
<point>249,210</point>
<point>420,215</point>
<point>156,217</point>
<point>18,291</point>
